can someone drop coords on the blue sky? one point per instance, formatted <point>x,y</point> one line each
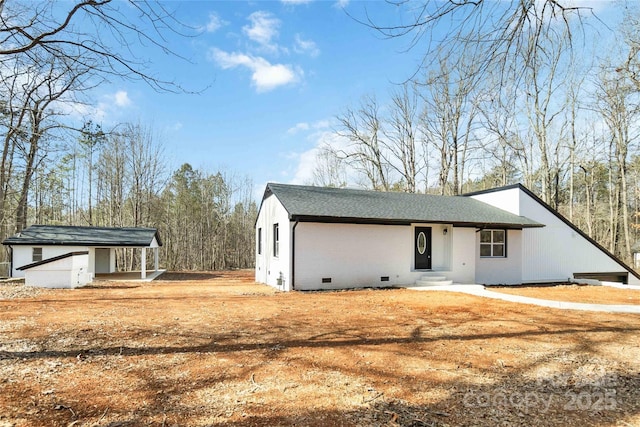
<point>276,74</point>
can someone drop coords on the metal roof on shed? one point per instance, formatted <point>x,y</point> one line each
<point>85,236</point>
<point>323,204</point>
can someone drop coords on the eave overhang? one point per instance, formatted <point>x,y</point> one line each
<point>407,222</point>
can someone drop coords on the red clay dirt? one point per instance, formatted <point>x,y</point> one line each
<point>214,349</point>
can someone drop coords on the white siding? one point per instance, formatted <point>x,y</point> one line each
<point>70,272</point>
<point>501,271</point>
<point>358,255</point>
<point>352,255</point>
<point>508,200</point>
<point>272,270</point>
<point>22,255</point>
<point>554,252</point>
<point>463,266</point>
<point>440,245</point>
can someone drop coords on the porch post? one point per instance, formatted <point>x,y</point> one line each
<point>155,260</point>
<point>143,261</point>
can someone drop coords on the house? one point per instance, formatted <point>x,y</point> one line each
<point>310,238</point>
<point>71,256</point>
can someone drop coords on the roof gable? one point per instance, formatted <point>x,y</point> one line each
<point>562,218</point>
<point>322,204</point>
<point>85,236</point>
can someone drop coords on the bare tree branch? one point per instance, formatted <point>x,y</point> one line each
<point>102,33</point>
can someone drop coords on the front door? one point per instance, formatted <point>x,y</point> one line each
<point>423,248</point>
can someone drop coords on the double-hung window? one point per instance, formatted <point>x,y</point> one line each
<point>36,255</point>
<point>276,240</point>
<point>493,243</point>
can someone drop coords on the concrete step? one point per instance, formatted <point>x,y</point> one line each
<point>433,279</point>
<point>433,283</point>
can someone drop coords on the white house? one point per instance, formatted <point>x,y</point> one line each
<point>326,238</point>
<point>71,256</point>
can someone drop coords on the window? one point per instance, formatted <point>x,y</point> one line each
<point>493,243</point>
<point>276,240</point>
<point>259,241</point>
<point>36,255</point>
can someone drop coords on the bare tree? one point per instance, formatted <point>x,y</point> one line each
<point>502,30</point>
<point>618,106</point>
<point>329,170</point>
<point>403,136</point>
<point>448,119</point>
<point>502,148</point>
<point>363,128</point>
<point>36,91</point>
<point>92,34</point>
<point>544,87</point>
<point>385,143</point>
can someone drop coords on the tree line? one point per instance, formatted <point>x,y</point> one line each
<point>120,178</point>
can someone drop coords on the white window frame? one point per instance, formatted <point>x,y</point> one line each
<point>36,254</point>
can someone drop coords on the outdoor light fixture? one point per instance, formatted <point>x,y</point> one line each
<point>444,232</point>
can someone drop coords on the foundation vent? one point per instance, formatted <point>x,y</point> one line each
<point>326,280</point>
<point>384,279</point>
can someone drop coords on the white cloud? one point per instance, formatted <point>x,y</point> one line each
<point>121,99</point>
<point>322,124</point>
<point>306,46</point>
<point>308,160</point>
<point>341,4</point>
<point>81,111</point>
<point>263,29</point>
<point>299,127</point>
<point>214,23</point>
<point>109,107</point>
<point>304,126</point>
<point>306,166</point>
<point>266,76</point>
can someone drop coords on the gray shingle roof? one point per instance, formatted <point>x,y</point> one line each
<point>84,236</point>
<point>308,203</point>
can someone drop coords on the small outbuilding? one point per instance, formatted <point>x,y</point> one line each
<point>71,256</point>
<point>327,238</point>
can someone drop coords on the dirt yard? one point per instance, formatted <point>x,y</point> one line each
<point>210,349</point>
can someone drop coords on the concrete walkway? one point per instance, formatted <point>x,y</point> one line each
<point>480,291</point>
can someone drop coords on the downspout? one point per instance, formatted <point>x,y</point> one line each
<point>293,255</point>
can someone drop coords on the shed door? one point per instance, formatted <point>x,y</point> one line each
<point>422,243</point>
